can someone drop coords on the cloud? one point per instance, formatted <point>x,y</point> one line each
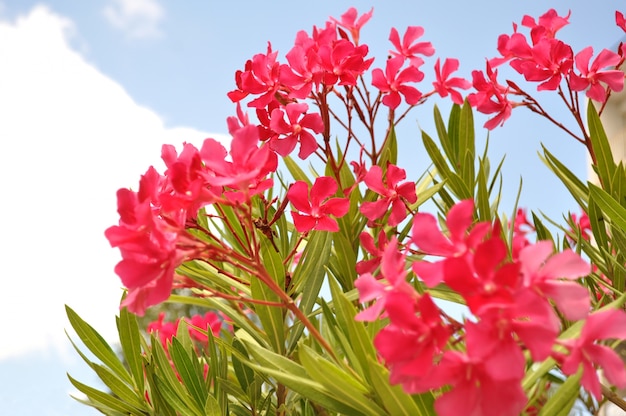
<point>70,138</point>
<point>138,18</point>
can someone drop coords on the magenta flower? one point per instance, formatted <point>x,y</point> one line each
<point>445,85</point>
<point>393,82</point>
<point>407,48</point>
<point>393,192</point>
<point>604,324</point>
<point>350,22</point>
<point>314,213</point>
<point>295,129</point>
<point>591,76</point>
<point>551,275</point>
<point>620,20</point>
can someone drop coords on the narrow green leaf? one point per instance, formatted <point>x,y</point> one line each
<point>183,404</point>
<point>395,400</point>
<point>243,373</point>
<point>345,387</point>
<point>389,151</point>
<point>561,402</point>
<point>130,340</point>
<point>120,389</point>
<point>453,180</point>
<point>103,398</point>
<point>296,172</point>
<point>345,313</point>
<point>295,377</point>
<point>271,317</point>
<point>466,153</point>
<point>185,368</point>
<point>212,407</point>
<point>440,125</point>
<point>615,212</point>
<point>574,185</point>
<point>308,277</point>
<point>97,345</point>
<point>604,164</point>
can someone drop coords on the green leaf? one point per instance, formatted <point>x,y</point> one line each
<point>453,180</point>
<point>104,399</point>
<point>97,345</point>
<point>345,387</point>
<point>561,402</point>
<point>120,389</point>
<point>296,172</point>
<point>130,340</point>
<point>354,330</point>
<point>243,373</point>
<point>604,164</point>
<point>308,277</point>
<point>575,186</point>
<point>188,372</point>
<point>212,407</point>
<point>342,261</point>
<point>395,400</point>
<point>271,317</point>
<point>295,377</point>
<point>465,159</point>
<point>615,212</point>
<point>389,151</point>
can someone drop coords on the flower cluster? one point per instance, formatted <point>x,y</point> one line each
<point>518,293</point>
<point>510,299</point>
<point>544,59</point>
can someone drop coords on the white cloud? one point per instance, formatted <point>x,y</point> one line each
<point>70,138</point>
<point>138,18</point>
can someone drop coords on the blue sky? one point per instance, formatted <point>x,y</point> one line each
<point>90,90</point>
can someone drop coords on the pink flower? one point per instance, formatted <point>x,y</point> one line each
<point>620,21</point>
<point>150,242</point>
<point>392,82</point>
<point>543,272</point>
<point>199,325</point>
<point>392,269</point>
<point>604,324</point>
<point>416,336</point>
<point>591,76</point>
<point>350,22</point>
<point>551,60</point>
<point>260,77</point>
<point>445,85</point>
<point>393,193</point>
<point>165,330</point>
<point>547,25</point>
<point>295,129</point>
<point>367,242</point>
<point>491,97</point>
<point>342,62</point>
<point>314,213</point>
<point>407,48</point>
<point>248,167</point>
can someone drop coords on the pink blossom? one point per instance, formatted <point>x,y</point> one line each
<point>445,85</point>
<point>491,97</point>
<point>620,21</point>
<point>314,212</point>
<point>604,324</point>
<point>407,48</point>
<point>551,60</point>
<point>393,192</point>
<point>393,82</point>
<point>295,129</point>
<point>551,276</point>
<point>392,269</point>
<point>350,22</point>
<point>591,76</point>
<point>546,26</point>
